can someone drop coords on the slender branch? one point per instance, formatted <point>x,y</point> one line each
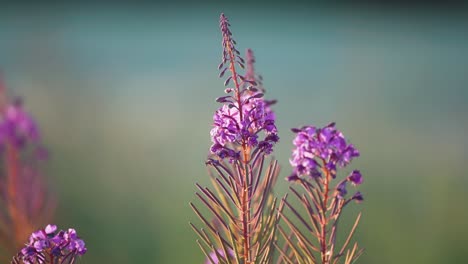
<point>324,222</point>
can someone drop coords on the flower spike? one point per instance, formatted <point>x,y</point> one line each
<point>244,219</point>
<point>243,212</point>
<point>318,155</point>
<point>27,202</point>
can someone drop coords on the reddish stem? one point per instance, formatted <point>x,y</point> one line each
<point>324,222</point>
<point>245,208</point>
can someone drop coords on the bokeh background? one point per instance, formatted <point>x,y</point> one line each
<point>124,95</point>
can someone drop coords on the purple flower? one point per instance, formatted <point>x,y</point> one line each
<point>358,197</point>
<point>74,242</point>
<point>231,131</point>
<point>40,245</point>
<point>50,229</point>
<point>29,255</point>
<point>28,251</point>
<point>316,147</point>
<point>341,190</point>
<point>59,238</point>
<point>17,126</point>
<point>355,177</point>
<point>70,235</point>
<point>292,178</point>
<point>47,242</point>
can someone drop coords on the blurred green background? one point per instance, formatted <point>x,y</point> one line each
<point>125,95</point>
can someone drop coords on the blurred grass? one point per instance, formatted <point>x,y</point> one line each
<point>125,99</point>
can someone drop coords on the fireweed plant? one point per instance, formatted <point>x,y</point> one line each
<point>244,222</point>
<point>241,228</point>
<point>317,156</point>
<point>25,201</point>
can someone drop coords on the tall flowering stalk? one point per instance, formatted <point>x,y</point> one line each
<point>317,157</point>
<point>243,216</point>
<point>242,210</point>
<point>25,203</point>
